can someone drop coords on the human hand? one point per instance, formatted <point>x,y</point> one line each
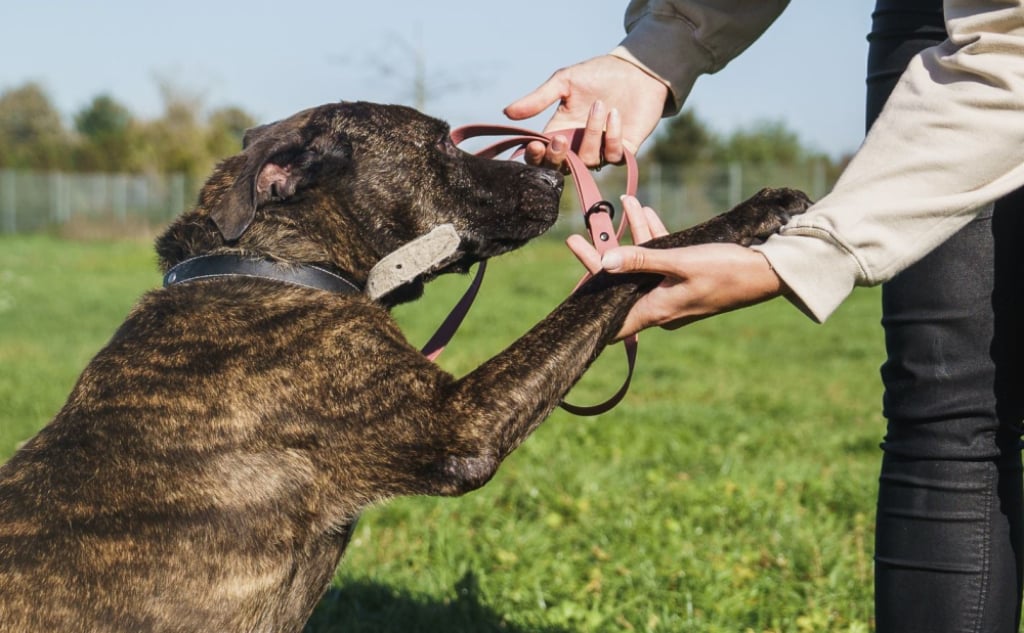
<point>700,281</point>
<point>616,102</point>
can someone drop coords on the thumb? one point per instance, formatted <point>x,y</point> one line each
<point>551,91</point>
<point>626,259</point>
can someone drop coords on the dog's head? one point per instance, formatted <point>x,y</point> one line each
<point>345,184</point>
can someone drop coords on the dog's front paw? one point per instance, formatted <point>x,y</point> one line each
<point>765,213</point>
<point>755,219</point>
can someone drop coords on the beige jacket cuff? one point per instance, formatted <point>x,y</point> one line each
<point>818,272</point>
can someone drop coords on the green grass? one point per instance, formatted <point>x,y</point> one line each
<point>732,490</point>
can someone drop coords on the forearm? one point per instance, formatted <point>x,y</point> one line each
<point>949,141</point>
<point>679,40</point>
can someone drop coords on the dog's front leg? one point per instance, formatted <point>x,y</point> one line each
<point>497,406</point>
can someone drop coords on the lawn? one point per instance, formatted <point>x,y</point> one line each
<point>732,490</point>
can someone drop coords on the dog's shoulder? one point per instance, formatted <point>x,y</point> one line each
<point>195,331</point>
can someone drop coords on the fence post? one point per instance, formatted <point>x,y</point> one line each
<point>818,179</point>
<point>54,187</point>
<point>67,183</point>
<point>735,184</point>
<point>656,187</point>
<point>119,188</point>
<point>60,207</point>
<point>9,200</point>
<point>177,197</point>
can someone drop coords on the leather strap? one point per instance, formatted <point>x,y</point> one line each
<point>451,323</point>
<point>597,214</point>
<point>220,266</point>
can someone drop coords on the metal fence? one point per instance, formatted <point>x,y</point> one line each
<point>39,201</point>
<point>33,201</point>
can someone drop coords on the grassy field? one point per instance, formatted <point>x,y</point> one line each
<point>732,491</point>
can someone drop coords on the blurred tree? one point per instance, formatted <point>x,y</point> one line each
<point>102,118</point>
<point>176,141</point>
<point>32,135</point>
<point>766,142</point>
<point>187,141</point>
<point>225,128</point>
<point>107,137</point>
<point>684,140</point>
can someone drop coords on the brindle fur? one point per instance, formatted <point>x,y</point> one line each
<point>208,466</point>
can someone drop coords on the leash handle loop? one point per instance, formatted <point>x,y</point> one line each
<point>630,347</point>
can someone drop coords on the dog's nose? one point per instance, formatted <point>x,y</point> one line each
<point>550,177</point>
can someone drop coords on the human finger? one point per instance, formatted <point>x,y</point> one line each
<point>593,135</point>
<point>535,153</point>
<point>644,223</point>
<point>637,219</point>
<point>556,151</point>
<point>654,222</point>
<point>639,259</point>
<point>551,154</point>
<point>585,252</point>
<point>613,147</point>
<point>551,91</point>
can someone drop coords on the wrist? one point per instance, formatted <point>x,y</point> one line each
<point>653,82</point>
<point>773,284</point>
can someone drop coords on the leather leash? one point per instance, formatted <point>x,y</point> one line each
<point>597,216</point>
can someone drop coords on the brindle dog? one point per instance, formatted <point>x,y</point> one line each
<point>209,465</point>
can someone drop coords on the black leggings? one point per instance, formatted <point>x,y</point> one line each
<point>948,540</point>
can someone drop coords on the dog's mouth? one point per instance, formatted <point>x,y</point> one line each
<point>524,228</point>
<point>475,247</point>
<point>485,231</point>
<point>496,232</point>
<point>538,205</point>
<point>473,250</point>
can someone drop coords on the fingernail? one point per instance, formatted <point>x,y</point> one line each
<point>558,143</point>
<point>611,261</point>
<point>597,107</point>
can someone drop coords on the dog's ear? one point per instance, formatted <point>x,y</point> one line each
<point>252,134</point>
<point>278,158</point>
<point>266,150</point>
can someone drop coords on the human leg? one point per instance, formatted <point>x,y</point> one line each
<point>950,502</point>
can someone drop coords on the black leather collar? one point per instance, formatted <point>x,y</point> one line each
<point>219,266</point>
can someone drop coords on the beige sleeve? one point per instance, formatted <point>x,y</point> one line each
<point>679,40</point>
<point>949,141</point>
